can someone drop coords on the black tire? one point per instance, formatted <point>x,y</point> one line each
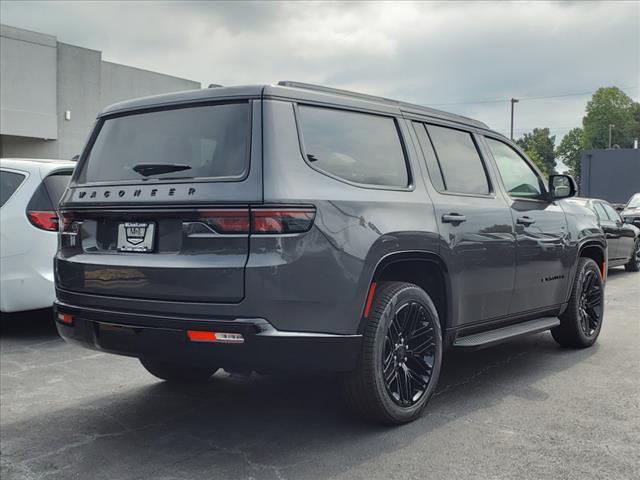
<point>581,322</point>
<point>633,265</point>
<point>366,389</point>
<point>177,373</point>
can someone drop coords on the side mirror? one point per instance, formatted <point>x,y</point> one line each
<point>562,186</point>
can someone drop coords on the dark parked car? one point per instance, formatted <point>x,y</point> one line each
<point>289,226</point>
<point>623,238</point>
<point>631,211</point>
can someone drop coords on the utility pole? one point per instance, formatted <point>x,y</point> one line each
<point>514,101</point>
<point>611,125</point>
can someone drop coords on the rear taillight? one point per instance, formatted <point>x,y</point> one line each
<point>44,220</point>
<point>234,220</point>
<point>260,220</point>
<point>285,220</point>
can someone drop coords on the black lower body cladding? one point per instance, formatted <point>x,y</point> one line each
<point>262,349</point>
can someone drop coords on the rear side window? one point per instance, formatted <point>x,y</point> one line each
<point>357,147</point>
<point>48,194</point>
<point>9,183</point>
<point>459,160</point>
<point>210,141</point>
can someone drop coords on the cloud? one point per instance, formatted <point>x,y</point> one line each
<point>428,53</point>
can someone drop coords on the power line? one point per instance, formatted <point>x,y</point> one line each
<point>522,99</point>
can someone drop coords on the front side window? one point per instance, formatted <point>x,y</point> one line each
<point>459,160</point>
<point>357,147</point>
<point>518,177</point>
<point>9,183</point>
<point>210,141</point>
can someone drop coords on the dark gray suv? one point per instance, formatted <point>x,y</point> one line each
<point>290,226</point>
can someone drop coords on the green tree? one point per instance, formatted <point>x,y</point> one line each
<point>636,116</point>
<point>570,151</point>
<point>610,106</point>
<point>542,143</point>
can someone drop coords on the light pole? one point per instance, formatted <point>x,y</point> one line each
<point>513,102</point>
<point>611,125</point>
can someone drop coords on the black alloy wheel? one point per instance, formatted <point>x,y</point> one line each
<point>581,321</point>
<point>591,303</point>
<point>409,354</point>
<point>633,265</point>
<point>399,364</point>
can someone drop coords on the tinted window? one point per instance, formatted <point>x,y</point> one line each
<point>462,168</point>
<point>354,146</point>
<point>611,213</point>
<point>56,185</point>
<point>9,183</point>
<point>47,195</point>
<point>518,177</point>
<point>602,215</point>
<point>430,156</point>
<point>213,141</point>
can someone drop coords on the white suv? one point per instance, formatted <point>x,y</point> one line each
<point>29,194</point>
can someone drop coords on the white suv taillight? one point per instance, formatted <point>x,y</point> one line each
<point>44,220</point>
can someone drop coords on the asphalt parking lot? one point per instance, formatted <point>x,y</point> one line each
<point>527,409</point>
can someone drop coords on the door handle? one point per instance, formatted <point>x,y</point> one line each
<point>526,221</point>
<point>454,218</point>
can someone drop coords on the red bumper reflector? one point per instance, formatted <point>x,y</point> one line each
<point>220,337</point>
<point>65,318</point>
<point>372,291</point>
<point>201,336</point>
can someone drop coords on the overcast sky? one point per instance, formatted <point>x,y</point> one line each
<point>428,53</point>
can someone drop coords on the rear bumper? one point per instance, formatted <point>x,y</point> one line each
<point>26,290</point>
<point>165,338</point>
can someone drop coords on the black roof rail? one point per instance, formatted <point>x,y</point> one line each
<point>364,96</point>
<point>336,91</point>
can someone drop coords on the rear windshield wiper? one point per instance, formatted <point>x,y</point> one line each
<point>146,169</point>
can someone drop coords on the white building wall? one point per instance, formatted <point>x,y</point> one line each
<point>28,84</point>
<point>121,82</point>
<point>79,94</point>
<point>51,93</point>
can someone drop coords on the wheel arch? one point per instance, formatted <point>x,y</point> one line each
<point>597,252</point>
<point>422,268</point>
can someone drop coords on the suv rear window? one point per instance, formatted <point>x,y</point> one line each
<point>9,183</point>
<point>48,194</point>
<point>210,141</point>
<point>357,147</point>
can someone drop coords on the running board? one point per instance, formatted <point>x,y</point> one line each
<point>485,339</point>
